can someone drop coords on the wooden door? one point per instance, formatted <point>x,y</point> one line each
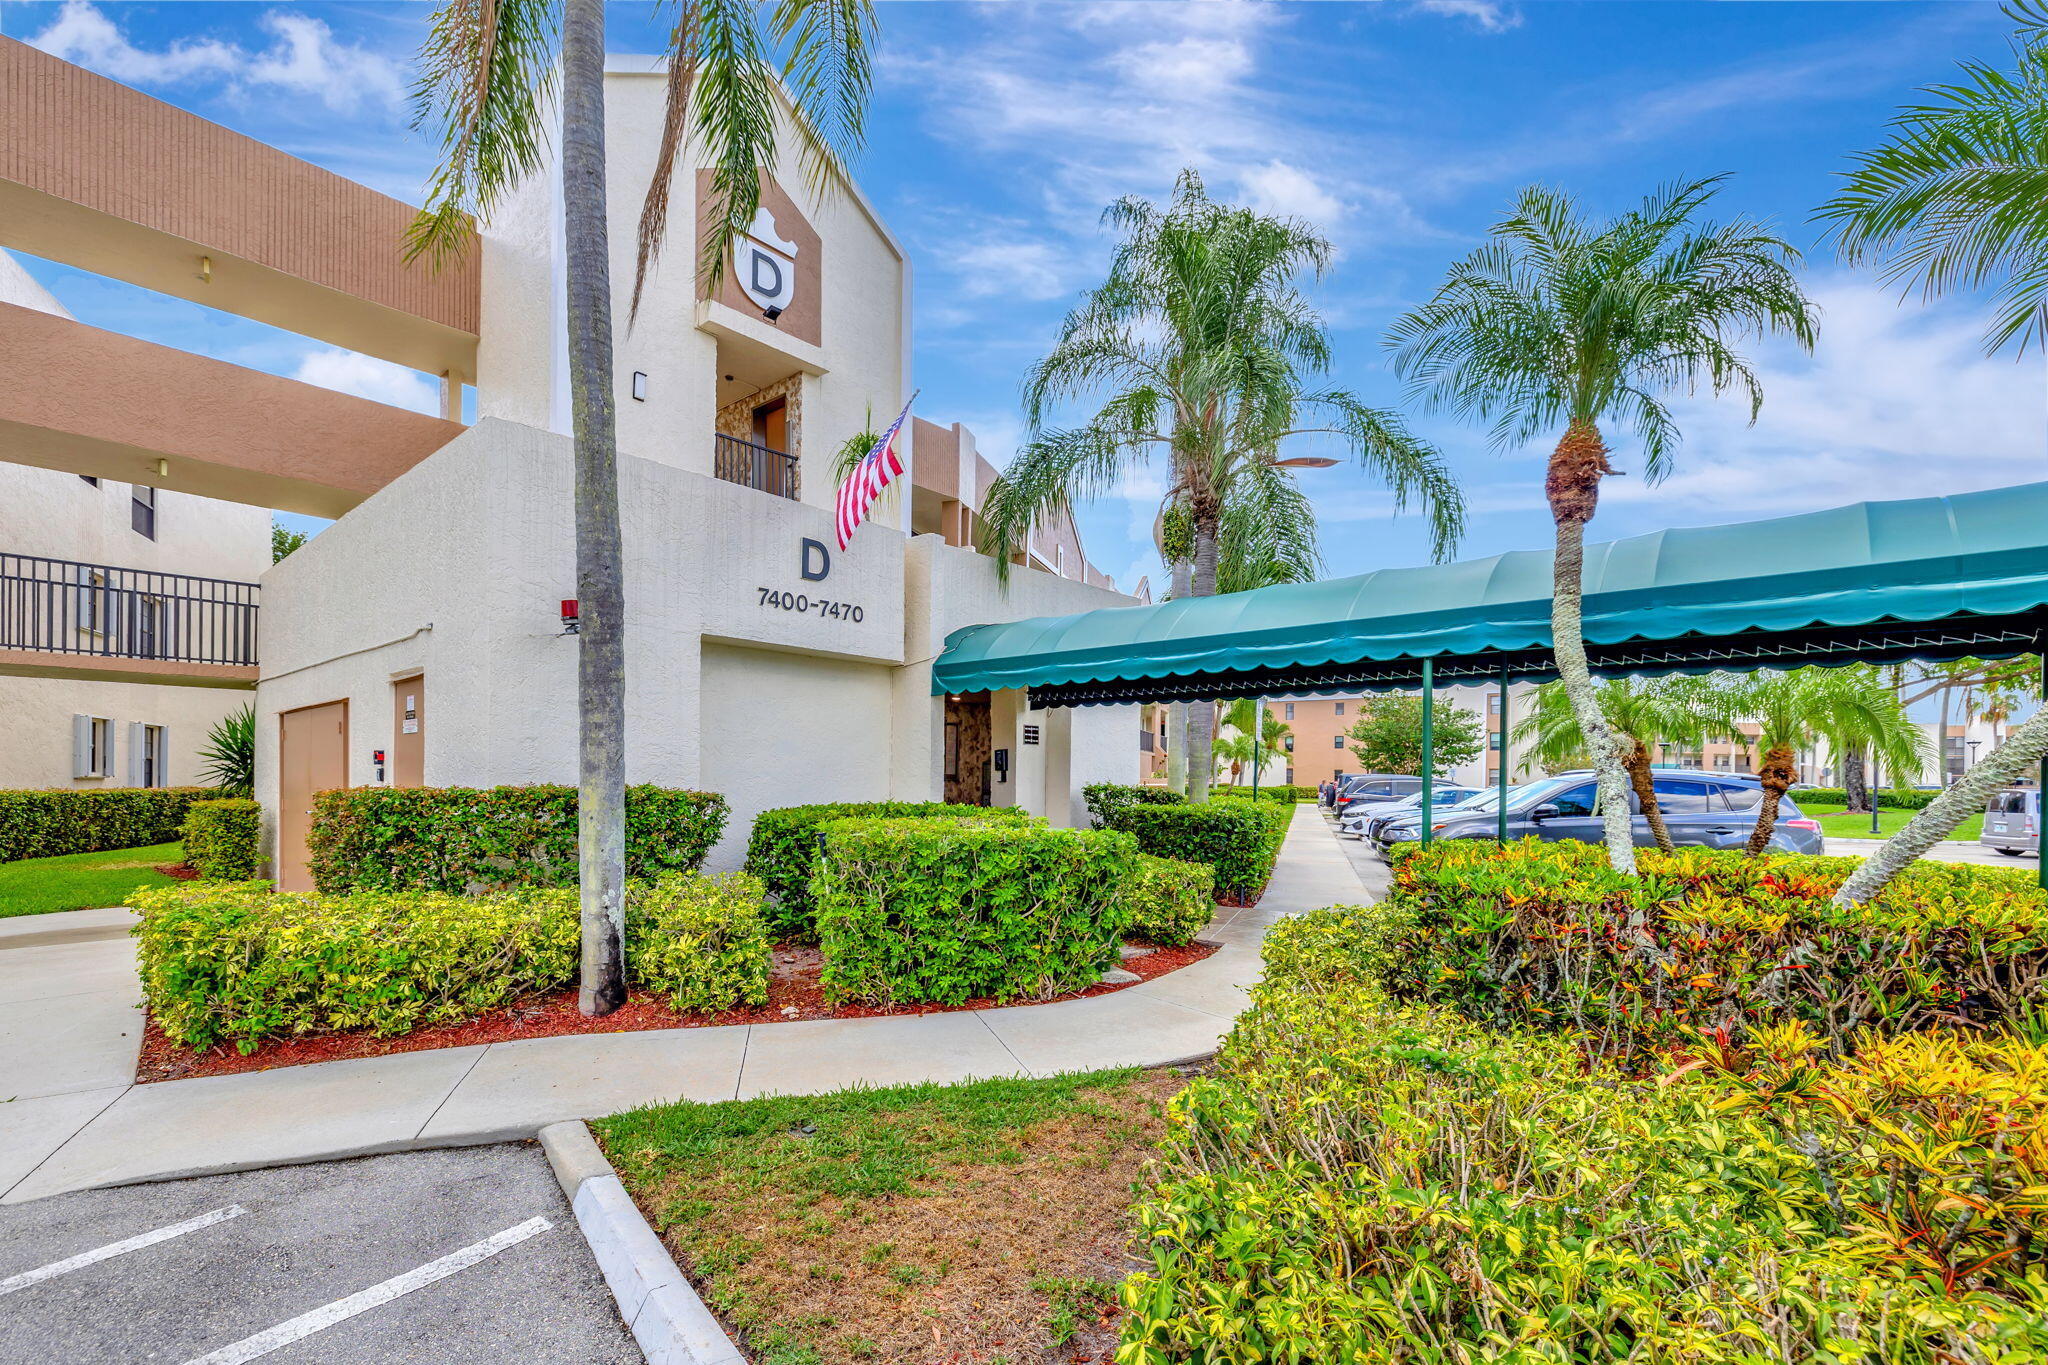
<point>409,732</point>
<point>771,425</point>
<point>312,756</point>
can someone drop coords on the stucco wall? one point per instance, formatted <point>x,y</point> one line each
<point>35,727</point>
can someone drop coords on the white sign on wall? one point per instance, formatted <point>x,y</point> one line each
<point>765,264</point>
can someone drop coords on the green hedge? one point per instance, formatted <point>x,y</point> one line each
<point>223,839</point>
<point>1893,799</point>
<point>494,838</point>
<point>1238,839</point>
<point>948,909</point>
<point>783,850</point>
<point>1705,940</point>
<point>1104,799</point>
<point>48,824</point>
<point>702,942</point>
<point>1284,794</point>
<point>1367,1179</point>
<point>1170,901</point>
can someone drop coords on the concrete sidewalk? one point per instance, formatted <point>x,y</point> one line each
<point>70,1030</point>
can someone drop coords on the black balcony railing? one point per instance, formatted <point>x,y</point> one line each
<point>756,466</point>
<point>61,606</point>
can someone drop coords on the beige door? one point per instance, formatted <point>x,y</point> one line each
<point>312,756</point>
<point>409,732</point>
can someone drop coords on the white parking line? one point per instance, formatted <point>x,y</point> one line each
<point>304,1325</point>
<point>112,1249</point>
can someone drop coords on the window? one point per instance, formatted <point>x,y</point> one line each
<point>148,615</point>
<point>1576,800</point>
<point>1336,741</point>
<point>1493,740</point>
<point>92,600</point>
<point>91,479</point>
<point>92,746</point>
<point>142,511</point>
<point>1678,797</point>
<point>1742,797</point>
<point>1493,775</point>
<point>1493,703</point>
<point>153,756</point>
<point>1287,742</point>
<point>1340,708</point>
<point>1290,711</point>
<point>2008,803</point>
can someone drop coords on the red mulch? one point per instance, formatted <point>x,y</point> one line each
<point>184,872</point>
<point>793,994</point>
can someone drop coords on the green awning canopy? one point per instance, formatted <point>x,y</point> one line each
<point>1923,578</point>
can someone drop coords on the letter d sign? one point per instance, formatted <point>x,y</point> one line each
<point>816,561</point>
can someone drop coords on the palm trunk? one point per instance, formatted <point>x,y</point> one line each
<point>1646,793</point>
<point>2010,761</point>
<point>1855,796</point>
<point>1177,711</point>
<point>601,655</point>
<point>1573,488</point>
<point>1780,770</point>
<point>1201,725</point>
<point>1941,744</point>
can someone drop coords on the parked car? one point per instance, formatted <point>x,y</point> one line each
<point>1372,789</point>
<point>1700,809</point>
<point>1362,819</point>
<point>2012,821</point>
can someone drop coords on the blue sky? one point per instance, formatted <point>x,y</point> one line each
<point>1401,127</point>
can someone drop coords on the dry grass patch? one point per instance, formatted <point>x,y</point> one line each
<point>978,1224</point>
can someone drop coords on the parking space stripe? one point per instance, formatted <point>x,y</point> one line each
<point>112,1249</point>
<point>327,1315</point>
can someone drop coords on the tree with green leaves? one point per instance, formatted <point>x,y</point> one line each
<point>1560,325</point>
<point>1387,736</point>
<point>284,540</point>
<point>488,81</point>
<point>1641,712</point>
<point>1201,352</point>
<point>1237,754</point>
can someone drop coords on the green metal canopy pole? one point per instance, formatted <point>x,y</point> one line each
<point>1500,815</point>
<point>1258,724</point>
<point>2041,798</point>
<point>1428,749</point>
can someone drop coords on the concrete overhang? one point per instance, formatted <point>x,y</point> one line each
<point>93,402</point>
<point>105,178</point>
<point>31,663</point>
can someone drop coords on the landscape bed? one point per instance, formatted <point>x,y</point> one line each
<point>986,1223</point>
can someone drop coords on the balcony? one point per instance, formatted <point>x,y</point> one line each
<point>66,619</point>
<point>754,465</point>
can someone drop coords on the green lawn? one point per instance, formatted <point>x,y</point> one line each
<point>1835,821</point>
<point>82,881</point>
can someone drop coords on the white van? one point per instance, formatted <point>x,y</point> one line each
<point>2012,821</point>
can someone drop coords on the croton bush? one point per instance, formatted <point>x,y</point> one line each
<point>494,838</point>
<point>783,850</point>
<point>1239,840</point>
<point>1395,1162</point>
<point>1170,901</point>
<point>952,909</point>
<point>47,824</point>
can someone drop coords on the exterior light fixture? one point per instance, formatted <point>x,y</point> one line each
<point>639,386</point>
<point>772,312</point>
<point>570,621</point>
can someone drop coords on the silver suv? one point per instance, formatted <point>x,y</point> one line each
<point>2012,821</point>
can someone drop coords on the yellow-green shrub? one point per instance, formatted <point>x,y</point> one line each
<point>223,838</point>
<point>700,941</point>
<point>1170,901</point>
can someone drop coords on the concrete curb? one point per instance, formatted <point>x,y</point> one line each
<point>668,1320</point>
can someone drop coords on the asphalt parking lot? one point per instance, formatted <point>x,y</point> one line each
<point>450,1257</point>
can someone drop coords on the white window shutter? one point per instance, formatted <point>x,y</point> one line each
<point>134,753</point>
<point>163,755</point>
<point>81,746</point>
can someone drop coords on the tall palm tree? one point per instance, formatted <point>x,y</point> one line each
<point>1846,706</point>
<point>1640,712</point>
<point>1202,352</point>
<point>487,81</point>
<point>1957,198</point>
<point>1558,323</point>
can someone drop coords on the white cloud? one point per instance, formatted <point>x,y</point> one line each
<point>1289,191</point>
<point>367,377</point>
<point>1485,15</point>
<point>305,59</point>
<point>1013,266</point>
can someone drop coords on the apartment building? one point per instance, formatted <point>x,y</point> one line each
<point>1319,745</point>
<point>428,636</point>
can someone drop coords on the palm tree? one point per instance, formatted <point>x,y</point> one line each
<point>1846,706</point>
<point>1957,198</point>
<point>1556,323</point>
<point>1639,712</point>
<point>229,754</point>
<point>1237,749</point>
<point>1202,351</point>
<point>487,80</point>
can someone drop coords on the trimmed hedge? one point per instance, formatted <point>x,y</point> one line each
<point>948,910</point>
<point>1284,794</point>
<point>1170,901</point>
<point>48,824</point>
<point>700,941</point>
<point>1706,940</point>
<point>1367,1179</point>
<point>494,838</point>
<point>1239,840</point>
<point>783,850</point>
<point>1891,799</point>
<point>1106,798</point>
<point>223,839</point>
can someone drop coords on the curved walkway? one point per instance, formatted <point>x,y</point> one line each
<point>69,1030</point>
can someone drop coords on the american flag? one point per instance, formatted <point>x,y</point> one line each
<point>874,472</point>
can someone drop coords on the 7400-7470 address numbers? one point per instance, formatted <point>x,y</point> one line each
<point>796,601</point>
